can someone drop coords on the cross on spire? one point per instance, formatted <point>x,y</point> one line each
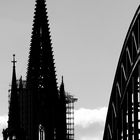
<point>14,61</point>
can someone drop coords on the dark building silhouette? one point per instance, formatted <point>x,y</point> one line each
<point>14,129</point>
<point>123,117</point>
<point>38,109</point>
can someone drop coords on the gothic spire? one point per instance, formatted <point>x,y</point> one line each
<point>14,86</point>
<point>62,112</point>
<point>41,67</point>
<point>13,122</point>
<point>20,83</point>
<point>41,78</point>
<point>62,90</point>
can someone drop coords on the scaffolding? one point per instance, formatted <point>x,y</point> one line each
<point>70,116</point>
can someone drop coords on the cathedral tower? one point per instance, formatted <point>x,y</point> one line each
<point>38,109</point>
<point>14,112</point>
<point>42,92</point>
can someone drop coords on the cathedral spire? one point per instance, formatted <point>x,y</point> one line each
<point>14,86</point>
<point>41,62</point>
<point>14,118</point>
<point>41,77</point>
<point>62,90</point>
<point>13,96</point>
<point>20,83</point>
<point>14,61</point>
<point>62,112</point>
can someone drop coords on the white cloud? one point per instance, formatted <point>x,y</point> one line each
<point>85,117</point>
<point>89,123</point>
<point>3,124</point>
<point>3,121</point>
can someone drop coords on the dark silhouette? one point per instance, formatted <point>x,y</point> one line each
<point>5,134</point>
<point>38,110</point>
<point>14,130</point>
<point>123,117</point>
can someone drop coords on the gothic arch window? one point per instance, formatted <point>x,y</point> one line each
<point>41,132</point>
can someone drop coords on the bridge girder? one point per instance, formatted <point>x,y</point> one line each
<point>123,116</point>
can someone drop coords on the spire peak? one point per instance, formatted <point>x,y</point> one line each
<point>62,83</point>
<point>62,79</point>
<point>14,61</point>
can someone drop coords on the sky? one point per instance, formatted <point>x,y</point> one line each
<point>87,38</point>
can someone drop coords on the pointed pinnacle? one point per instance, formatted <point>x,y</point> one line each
<point>62,79</point>
<point>14,61</point>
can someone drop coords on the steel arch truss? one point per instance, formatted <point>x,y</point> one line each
<point>123,117</point>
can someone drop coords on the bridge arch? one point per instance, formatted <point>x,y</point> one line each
<point>123,116</point>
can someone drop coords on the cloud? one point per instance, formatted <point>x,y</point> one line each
<point>86,117</point>
<point>89,123</point>
<point>3,121</point>
<point>3,124</point>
